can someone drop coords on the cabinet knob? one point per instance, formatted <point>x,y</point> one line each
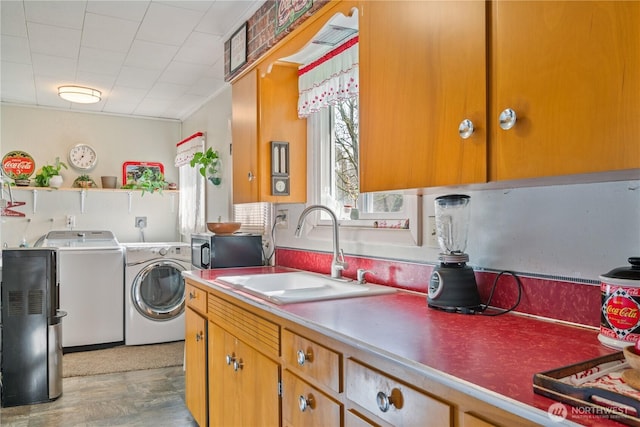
<point>303,357</point>
<point>251,176</point>
<point>465,130</point>
<point>384,401</point>
<point>305,402</point>
<point>230,358</point>
<point>508,119</point>
<point>237,365</point>
<point>199,336</point>
<point>192,295</point>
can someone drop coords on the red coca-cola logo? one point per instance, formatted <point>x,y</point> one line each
<point>622,312</point>
<point>18,164</point>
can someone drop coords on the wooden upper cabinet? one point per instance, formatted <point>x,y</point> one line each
<point>422,72</point>
<point>264,109</point>
<point>571,72</point>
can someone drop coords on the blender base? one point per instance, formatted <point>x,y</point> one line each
<point>453,288</point>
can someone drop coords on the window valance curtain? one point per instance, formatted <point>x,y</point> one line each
<point>329,79</point>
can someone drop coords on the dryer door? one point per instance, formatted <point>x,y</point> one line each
<point>158,291</point>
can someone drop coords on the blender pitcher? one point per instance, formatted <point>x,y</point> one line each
<point>452,222</point>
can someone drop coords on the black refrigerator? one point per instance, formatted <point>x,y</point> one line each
<point>31,329</point>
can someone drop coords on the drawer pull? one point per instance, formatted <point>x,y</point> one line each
<point>230,358</point>
<point>303,357</point>
<point>237,365</point>
<point>305,402</point>
<point>384,401</point>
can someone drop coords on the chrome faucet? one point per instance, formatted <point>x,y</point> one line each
<point>338,263</point>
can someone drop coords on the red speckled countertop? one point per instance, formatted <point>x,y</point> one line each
<point>481,353</point>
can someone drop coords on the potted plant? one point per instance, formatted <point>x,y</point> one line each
<point>210,165</point>
<point>149,181</point>
<point>46,172</point>
<point>84,181</point>
<point>23,180</point>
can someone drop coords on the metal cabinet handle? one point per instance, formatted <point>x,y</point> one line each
<point>303,357</point>
<point>465,130</point>
<point>230,358</point>
<point>199,336</point>
<point>251,176</point>
<point>305,402</point>
<point>192,295</point>
<point>237,365</point>
<point>384,401</point>
<point>507,119</point>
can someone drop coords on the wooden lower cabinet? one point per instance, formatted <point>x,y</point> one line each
<point>243,384</point>
<point>260,369</point>
<point>195,345</point>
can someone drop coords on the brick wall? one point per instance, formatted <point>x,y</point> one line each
<point>261,33</point>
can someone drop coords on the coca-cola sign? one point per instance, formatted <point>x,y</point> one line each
<point>18,164</point>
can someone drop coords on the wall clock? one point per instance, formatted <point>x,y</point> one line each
<point>83,157</point>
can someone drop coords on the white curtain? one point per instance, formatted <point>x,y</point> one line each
<point>191,200</point>
<point>329,79</point>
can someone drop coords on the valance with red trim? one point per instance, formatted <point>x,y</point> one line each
<point>329,79</point>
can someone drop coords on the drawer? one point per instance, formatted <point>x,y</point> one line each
<point>196,298</point>
<point>392,400</point>
<point>310,359</point>
<point>304,405</point>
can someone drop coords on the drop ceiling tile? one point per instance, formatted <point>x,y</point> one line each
<point>13,21</point>
<point>17,82</point>
<point>68,14</point>
<point>100,81</point>
<point>15,49</point>
<point>201,48</point>
<point>168,25</point>
<point>55,41</point>
<point>100,61</point>
<point>167,91</point>
<point>108,33</point>
<point>54,66</point>
<point>182,73</point>
<point>216,20</point>
<point>150,55</point>
<point>127,9</point>
<point>153,107</point>
<point>142,78</point>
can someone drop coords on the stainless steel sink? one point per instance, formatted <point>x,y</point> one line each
<point>286,288</point>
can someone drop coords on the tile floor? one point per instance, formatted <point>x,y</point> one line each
<point>153,397</point>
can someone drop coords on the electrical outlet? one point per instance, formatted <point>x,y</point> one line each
<point>141,222</point>
<point>71,221</point>
<point>432,235</point>
<point>282,223</point>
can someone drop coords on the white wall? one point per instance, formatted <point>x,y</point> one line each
<point>49,133</point>
<point>214,119</point>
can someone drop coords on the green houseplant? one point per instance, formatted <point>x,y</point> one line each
<point>43,176</point>
<point>84,181</point>
<point>150,181</point>
<point>209,165</point>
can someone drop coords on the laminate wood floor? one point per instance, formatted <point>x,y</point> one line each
<point>152,397</point>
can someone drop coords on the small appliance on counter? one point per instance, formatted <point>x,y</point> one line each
<point>452,285</point>
<point>209,250</point>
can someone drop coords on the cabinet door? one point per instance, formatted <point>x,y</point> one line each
<point>422,72</point>
<point>243,383</point>
<point>571,72</point>
<point>244,133</point>
<point>196,365</point>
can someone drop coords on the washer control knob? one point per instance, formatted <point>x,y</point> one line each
<point>163,251</point>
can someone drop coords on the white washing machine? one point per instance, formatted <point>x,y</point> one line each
<point>154,292</point>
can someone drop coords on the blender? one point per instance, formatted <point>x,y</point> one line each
<point>452,285</point>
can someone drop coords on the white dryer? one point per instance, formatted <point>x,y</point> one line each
<point>154,292</point>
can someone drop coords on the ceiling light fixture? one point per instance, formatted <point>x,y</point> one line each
<point>79,94</point>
